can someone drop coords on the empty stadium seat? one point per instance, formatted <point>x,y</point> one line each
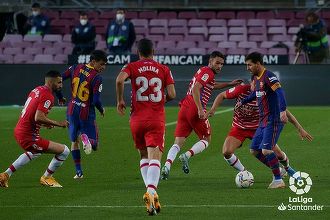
<point>217,23</point>
<point>187,15</point>
<point>201,51</point>
<point>265,15</point>
<point>245,15</point>
<point>167,15</point>
<point>12,38</point>
<point>207,15</point>
<point>226,15</point>
<point>33,50</point>
<point>147,14</point>
<point>23,58</point>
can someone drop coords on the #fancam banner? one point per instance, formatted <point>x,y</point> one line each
<point>180,59</point>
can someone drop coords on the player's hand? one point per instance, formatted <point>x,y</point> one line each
<point>121,106</point>
<point>63,124</point>
<point>202,114</point>
<point>103,112</point>
<point>236,82</point>
<point>238,105</point>
<point>210,113</point>
<point>62,101</point>
<point>284,117</point>
<point>305,135</point>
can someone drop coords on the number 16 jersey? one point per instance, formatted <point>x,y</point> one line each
<point>149,80</point>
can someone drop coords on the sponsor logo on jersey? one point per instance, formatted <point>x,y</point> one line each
<point>47,104</point>
<point>260,93</point>
<point>205,77</point>
<point>273,78</point>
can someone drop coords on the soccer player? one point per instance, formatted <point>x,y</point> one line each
<point>149,80</point>
<point>33,116</point>
<point>86,88</point>
<point>192,114</point>
<point>245,123</point>
<point>272,114</point>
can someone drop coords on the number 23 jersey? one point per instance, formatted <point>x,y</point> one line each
<point>149,80</point>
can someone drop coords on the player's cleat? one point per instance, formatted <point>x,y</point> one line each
<point>164,173</point>
<point>4,177</point>
<point>276,184</point>
<point>283,172</point>
<point>86,144</point>
<point>78,175</point>
<point>184,160</point>
<point>157,203</point>
<point>49,181</point>
<point>150,203</point>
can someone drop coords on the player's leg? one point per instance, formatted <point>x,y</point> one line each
<point>284,160</point>
<point>229,146</point>
<point>171,155</point>
<point>270,136</point>
<point>255,144</point>
<point>74,129</point>
<point>89,135</point>
<point>61,152</point>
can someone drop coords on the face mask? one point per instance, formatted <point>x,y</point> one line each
<point>83,22</point>
<point>119,17</point>
<point>35,13</point>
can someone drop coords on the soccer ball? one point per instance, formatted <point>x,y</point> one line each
<point>244,179</point>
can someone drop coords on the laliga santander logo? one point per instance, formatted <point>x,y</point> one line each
<point>300,183</point>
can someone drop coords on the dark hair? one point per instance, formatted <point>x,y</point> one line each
<point>53,74</point>
<point>145,47</point>
<point>216,53</point>
<point>35,5</point>
<point>255,57</point>
<point>313,15</point>
<point>83,13</point>
<point>99,55</point>
<point>121,9</point>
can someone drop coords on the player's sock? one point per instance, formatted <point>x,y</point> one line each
<point>76,160</point>
<point>261,158</point>
<point>153,176</point>
<point>274,165</point>
<point>235,162</point>
<point>21,161</point>
<point>171,155</point>
<point>197,148</point>
<point>284,161</point>
<point>57,161</point>
<point>144,165</point>
<point>93,143</point>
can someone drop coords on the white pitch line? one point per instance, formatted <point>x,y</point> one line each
<point>216,113</point>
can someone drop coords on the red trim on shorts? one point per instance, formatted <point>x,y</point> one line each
<point>152,186</point>
<point>154,164</point>
<point>144,164</point>
<point>12,168</point>
<point>170,161</point>
<point>191,152</point>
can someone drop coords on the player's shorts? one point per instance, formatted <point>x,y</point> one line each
<point>28,143</point>
<point>241,134</point>
<point>88,127</point>
<point>266,137</point>
<point>188,121</point>
<point>148,134</point>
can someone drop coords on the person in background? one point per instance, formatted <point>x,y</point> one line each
<point>83,36</point>
<point>120,35</point>
<point>37,23</point>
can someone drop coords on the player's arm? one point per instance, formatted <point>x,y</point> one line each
<point>65,75</point>
<point>196,95</point>
<point>97,89</point>
<point>41,118</point>
<point>122,76</point>
<point>170,92</point>
<point>302,132</point>
<point>217,102</point>
<point>282,102</point>
<point>246,100</point>
<point>221,85</point>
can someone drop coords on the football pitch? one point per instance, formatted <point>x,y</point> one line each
<point>112,187</point>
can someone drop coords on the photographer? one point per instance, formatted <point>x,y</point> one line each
<point>312,38</point>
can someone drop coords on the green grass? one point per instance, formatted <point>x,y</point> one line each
<point>113,188</point>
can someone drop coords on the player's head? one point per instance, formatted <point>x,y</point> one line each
<point>83,18</point>
<point>145,48</point>
<point>216,61</point>
<point>53,79</point>
<point>98,60</point>
<point>312,18</point>
<point>254,63</point>
<point>120,15</point>
<point>36,9</point>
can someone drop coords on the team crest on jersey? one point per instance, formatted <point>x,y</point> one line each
<point>47,104</point>
<point>100,88</point>
<point>124,67</point>
<point>261,85</point>
<point>205,77</point>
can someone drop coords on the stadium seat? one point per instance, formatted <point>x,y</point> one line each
<point>6,58</point>
<point>52,38</point>
<point>236,51</point>
<point>130,15</point>
<point>281,38</point>
<point>203,31</point>
<point>259,50</point>
<point>237,34</point>
<point>107,15</point>
<point>187,15</point>
<point>158,31</point>
<point>199,51</point>
<point>247,45</point>
<point>155,38</point>
<point>300,14</point>
<point>277,51</point>
<point>217,23</point>
<point>186,44</point>
<point>43,59</point>
<point>245,15</point>
<point>24,44</point>
<point>140,23</point>
<point>207,15</point>
<point>178,31</point>
<point>63,45</point>
<point>236,23</point>
<point>42,44</point>
<point>23,58</point>
<point>295,22</point>
<point>174,37</point>
<point>160,51</point>
<point>12,51</point>
<point>33,50</point>
<point>227,44</point>
<point>165,44</point>
<point>217,37</point>
<point>61,58</point>
<point>175,51</point>
<point>287,15</point>
<point>195,38</point>
<point>53,50</point>
<point>4,44</point>
<point>52,14</point>
<point>12,38</point>
<point>196,23</point>
<point>68,50</point>
<point>177,23</point>
<point>70,15</point>
<point>265,15</point>
<point>207,44</point>
<point>101,45</point>
<point>66,38</point>
<point>226,15</point>
<point>93,15</point>
<point>218,30</point>
<point>147,14</point>
<point>256,23</point>
<point>167,15</point>
<point>267,44</point>
<point>276,23</point>
<point>141,31</point>
<point>293,30</point>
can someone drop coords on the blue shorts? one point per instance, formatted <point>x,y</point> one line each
<point>88,127</point>
<point>266,137</point>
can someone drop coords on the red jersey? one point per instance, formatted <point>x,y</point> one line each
<point>40,98</point>
<point>247,116</point>
<point>206,77</point>
<point>149,80</point>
